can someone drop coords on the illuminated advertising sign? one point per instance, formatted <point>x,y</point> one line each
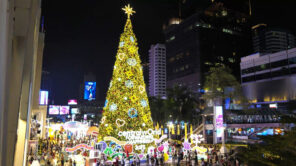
<point>90,91</point>
<point>139,137</point>
<point>219,120</point>
<point>74,111</point>
<point>43,97</point>
<point>54,110</point>
<point>72,102</point>
<point>64,110</point>
<point>273,105</point>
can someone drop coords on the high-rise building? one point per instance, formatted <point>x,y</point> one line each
<point>157,70</point>
<point>270,40</point>
<point>208,38</point>
<point>269,78</point>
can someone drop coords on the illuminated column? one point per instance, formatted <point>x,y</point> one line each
<point>185,125</point>
<point>191,132</point>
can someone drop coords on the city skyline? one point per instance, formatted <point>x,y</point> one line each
<point>82,42</point>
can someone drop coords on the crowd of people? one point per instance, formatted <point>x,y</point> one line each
<point>52,153</point>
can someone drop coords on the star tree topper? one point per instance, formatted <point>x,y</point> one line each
<point>128,10</point>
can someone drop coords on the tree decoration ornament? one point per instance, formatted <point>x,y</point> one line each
<point>141,89</point>
<point>132,113</point>
<point>129,83</point>
<point>128,10</point>
<point>103,119</point>
<point>121,56</point>
<point>113,107</point>
<point>121,44</point>
<point>127,90</point>
<point>131,61</point>
<point>106,103</point>
<point>144,103</point>
<point>120,122</point>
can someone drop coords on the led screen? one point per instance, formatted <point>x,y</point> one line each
<point>90,90</point>
<point>54,110</point>
<point>64,110</point>
<point>43,97</point>
<point>74,111</point>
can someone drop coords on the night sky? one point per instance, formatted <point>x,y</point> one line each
<point>82,36</point>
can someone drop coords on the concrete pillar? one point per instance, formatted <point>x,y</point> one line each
<point>4,45</point>
<point>19,29</point>
<point>204,128</point>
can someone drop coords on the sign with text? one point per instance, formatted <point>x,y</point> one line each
<point>219,120</point>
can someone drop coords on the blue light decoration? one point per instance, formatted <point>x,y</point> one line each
<point>121,44</point>
<point>90,91</point>
<point>227,103</point>
<point>132,113</point>
<point>165,130</point>
<point>129,83</point>
<point>132,39</point>
<point>266,132</point>
<point>113,107</point>
<point>144,103</point>
<point>101,146</point>
<point>106,103</point>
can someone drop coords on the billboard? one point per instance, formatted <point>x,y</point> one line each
<point>54,110</point>
<point>43,97</point>
<point>219,120</point>
<point>74,111</point>
<point>90,90</point>
<point>72,102</point>
<point>64,110</point>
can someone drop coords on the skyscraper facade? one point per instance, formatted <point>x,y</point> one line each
<point>208,38</point>
<point>270,40</point>
<point>157,70</point>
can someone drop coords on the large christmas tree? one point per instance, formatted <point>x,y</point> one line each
<point>126,107</point>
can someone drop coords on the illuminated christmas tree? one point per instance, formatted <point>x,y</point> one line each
<point>126,107</point>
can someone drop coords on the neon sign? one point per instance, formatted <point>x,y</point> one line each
<point>139,137</point>
<point>80,146</point>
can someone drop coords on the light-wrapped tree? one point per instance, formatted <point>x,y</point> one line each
<point>127,106</point>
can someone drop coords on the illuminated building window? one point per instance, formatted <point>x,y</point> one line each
<point>172,59</point>
<point>171,39</point>
<point>227,31</point>
<point>224,13</point>
<point>208,63</point>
